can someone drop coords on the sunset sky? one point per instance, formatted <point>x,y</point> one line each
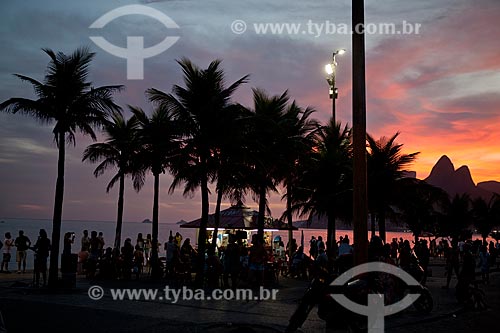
<point>440,88</point>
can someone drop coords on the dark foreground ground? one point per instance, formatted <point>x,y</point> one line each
<point>28,310</point>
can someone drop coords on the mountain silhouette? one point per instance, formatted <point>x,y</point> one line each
<point>490,185</point>
<point>459,181</point>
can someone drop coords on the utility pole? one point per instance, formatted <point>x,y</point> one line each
<point>360,198</point>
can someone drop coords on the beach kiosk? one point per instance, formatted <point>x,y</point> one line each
<point>240,221</point>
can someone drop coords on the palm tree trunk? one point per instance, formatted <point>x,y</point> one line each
<point>289,219</point>
<point>202,236</point>
<point>373,220</point>
<point>155,265</point>
<point>119,219</point>
<point>262,212</point>
<point>330,237</point>
<point>217,217</point>
<point>381,226</point>
<point>57,218</point>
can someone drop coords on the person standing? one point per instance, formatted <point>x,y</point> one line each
<point>8,243</point>
<point>69,239</point>
<point>100,237</point>
<point>22,244</point>
<point>148,242</point>
<point>172,256</point>
<point>42,249</point>
<point>85,241</point>
<point>484,264</point>
<point>313,248</point>
<point>178,239</point>
<point>452,262</point>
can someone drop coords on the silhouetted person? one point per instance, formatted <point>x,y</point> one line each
<point>231,263</point>
<point>313,247</point>
<point>148,243</point>
<point>8,244</point>
<point>394,249</point>
<point>423,255</point>
<point>22,244</point>
<point>484,264</point>
<point>100,237</point>
<point>256,260</point>
<point>68,241</point>
<point>467,274</point>
<point>178,239</point>
<point>127,258</point>
<point>172,257</point>
<point>452,262</point>
<point>42,249</point>
<point>214,268</point>
<point>405,256</point>
<point>85,241</point>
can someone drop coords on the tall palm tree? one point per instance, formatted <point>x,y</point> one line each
<point>300,131</point>
<point>159,136</point>
<point>65,98</point>
<point>232,165</point>
<point>118,151</point>
<point>324,187</point>
<point>386,167</point>
<point>486,214</point>
<point>266,143</point>
<point>197,108</point>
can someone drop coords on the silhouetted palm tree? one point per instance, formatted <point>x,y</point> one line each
<point>68,99</point>
<point>159,136</point>
<point>118,151</point>
<point>232,169</point>
<point>456,216</point>
<point>486,214</point>
<point>324,187</point>
<point>299,130</point>
<point>266,144</point>
<point>197,108</point>
<point>386,167</point>
<point>418,203</point>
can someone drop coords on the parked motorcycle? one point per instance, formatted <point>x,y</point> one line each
<point>357,290</point>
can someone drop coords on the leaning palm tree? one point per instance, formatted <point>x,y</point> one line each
<point>197,108</point>
<point>65,98</point>
<point>119,151</point>
<point>386,167</point>
<point>159,139</point>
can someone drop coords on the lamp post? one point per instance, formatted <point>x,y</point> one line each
<point>331,71</point>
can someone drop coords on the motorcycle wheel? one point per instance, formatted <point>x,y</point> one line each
<point>424,303</point>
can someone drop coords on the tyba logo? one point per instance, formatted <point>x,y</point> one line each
<point>135,53</point>
<point>375,310</point>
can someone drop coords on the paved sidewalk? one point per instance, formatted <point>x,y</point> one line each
<point>25,309</point>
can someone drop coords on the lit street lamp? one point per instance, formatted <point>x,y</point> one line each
<point>331,71</point>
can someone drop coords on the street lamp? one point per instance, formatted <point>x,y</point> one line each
<point>331,71</point>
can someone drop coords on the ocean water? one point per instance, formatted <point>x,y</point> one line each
<point>130,230</point>
<point>31,228</point>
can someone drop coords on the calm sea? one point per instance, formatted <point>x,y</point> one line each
<point>131,229</point>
